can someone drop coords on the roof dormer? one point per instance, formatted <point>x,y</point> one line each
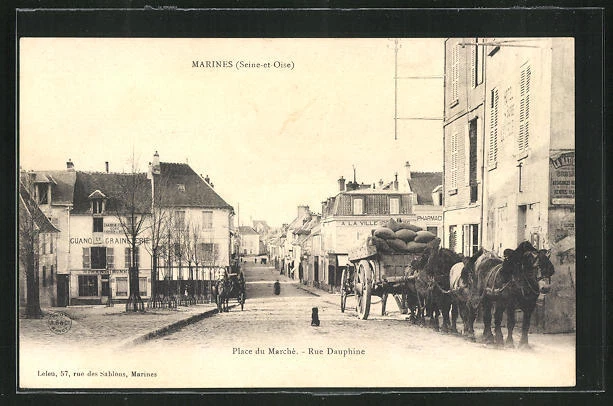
<point>97,201</point>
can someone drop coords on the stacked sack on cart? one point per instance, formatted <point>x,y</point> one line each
<point>395,237</point>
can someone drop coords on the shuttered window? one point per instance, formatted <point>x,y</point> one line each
<point>493,140</point>
<point>110,258</point>
<point>455,74</point>
<point>524,111</point>
<point>86,258</point>
<point>128,257</point>
<point>121,287</point>
<point>454,161</point>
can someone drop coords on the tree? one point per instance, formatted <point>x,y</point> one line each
<point>132,205</point>
<point>158,226</point>
<point>32,224</point>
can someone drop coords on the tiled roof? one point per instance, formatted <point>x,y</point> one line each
<point>29,208</point>
<point>63,182</point>
<point>116,186</point>
<point>423,183</point>
<point>197,192</point>
<point>246,230</point>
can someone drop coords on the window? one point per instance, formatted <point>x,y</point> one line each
<point>476,64</point>
<point>492,156</point>
<point>86,258</point>
<point>51,244</point>
<point>472,159</point>
<point>110,258</point>
<point>142,286</point>
<point>455,75</point>
<point>358,206</point>
<point>180,187</point>
<point>394,205</point>
<point>44,242</point>
<point>88,285</point>
<point>177,249</point>
<point>470,238</point>
<point>524,112</point>
<point>44,276</point>
<point>453,236</point>
<point>128,257</point>
<point>98,225</point>
<point>179,219</point>
<point>98,257</point>
<point>121,288</point>
<point>51,274</point>
<point>208,251</point>
<point>433,230</point>
<point>207,219</point>
<point>97,206</point>
<point>42,194</point>
<point>454,163</point>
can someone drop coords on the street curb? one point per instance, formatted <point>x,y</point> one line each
<point>170,328</point>
<point>308,291</point>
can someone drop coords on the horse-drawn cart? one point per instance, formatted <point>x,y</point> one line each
<point>230,286</point>
<point>376,273</point>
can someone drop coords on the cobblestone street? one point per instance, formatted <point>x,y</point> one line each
<point>272,344</point>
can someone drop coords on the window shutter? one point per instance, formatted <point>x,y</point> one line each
<point>127,258</point>
<point>473,66</point>
<point>86,258</point>
<point>110,258</point>
<point>493,142</point>
<point>137,257</point>
<point>524,110</point>
<point>454,160</point>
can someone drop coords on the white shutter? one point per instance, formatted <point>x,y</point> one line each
<point>524,110</point>
<point>454,160</point>
<point>473,65</point>
<point>493,141</point>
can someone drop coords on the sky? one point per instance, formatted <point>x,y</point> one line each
<point>269,138</point>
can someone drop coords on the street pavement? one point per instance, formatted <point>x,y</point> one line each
<point>272,344</point>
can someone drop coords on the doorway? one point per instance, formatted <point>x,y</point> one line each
<point>62,290</point>
<point>521,223</point>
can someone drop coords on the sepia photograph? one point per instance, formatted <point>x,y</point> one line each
<point>295,213</point>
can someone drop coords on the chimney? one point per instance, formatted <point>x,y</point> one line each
<point>407,166</point>
<point>207,179</point>
<point>303,210</point>
<point>341,184</point>
<point>380,183</point>
<point>155,165</point>
<point>69,165</point>
<point>396,180</point>
<point>106,165</point>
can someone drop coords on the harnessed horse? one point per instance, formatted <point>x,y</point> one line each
<point>506,284</point>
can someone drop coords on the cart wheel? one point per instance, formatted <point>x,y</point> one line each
<point>343,290</point>
<point>363,289</point>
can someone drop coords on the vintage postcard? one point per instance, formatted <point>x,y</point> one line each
<point>295,213</point>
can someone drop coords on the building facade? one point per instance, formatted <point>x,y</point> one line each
<point>523,153</point>
<point>249,241</point>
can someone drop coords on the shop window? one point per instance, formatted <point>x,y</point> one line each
<point>88,285</point>
<point>98,257</point>
<point>98,225</point>
<point>121,286</point>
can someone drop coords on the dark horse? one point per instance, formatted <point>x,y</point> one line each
<point>432,283</point>
<point>513,282</point>
<point>223,287</point>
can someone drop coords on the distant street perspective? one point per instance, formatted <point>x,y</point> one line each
<point>287,213</point>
